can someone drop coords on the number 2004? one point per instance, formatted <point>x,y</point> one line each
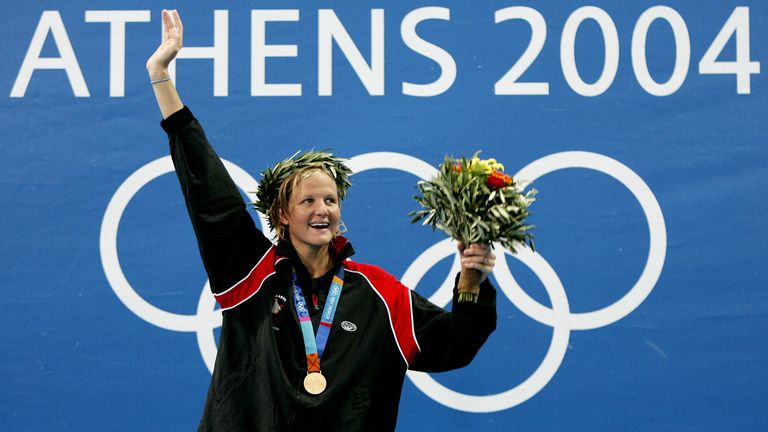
<point>737,24</point>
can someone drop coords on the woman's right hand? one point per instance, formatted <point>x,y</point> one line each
<point>157,65</point>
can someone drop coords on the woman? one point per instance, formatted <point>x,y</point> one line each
<point>272,372</point>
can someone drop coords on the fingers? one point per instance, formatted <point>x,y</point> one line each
<point>172,24</point>
<point>167,23</point>
<point>158,62</point>
<point>479,257</point>
<point>177,19</point>
<point>478,249</point>
<point>483,263</point>
<point>461,247</point>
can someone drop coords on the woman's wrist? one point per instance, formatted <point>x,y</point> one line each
<point>157,73</point>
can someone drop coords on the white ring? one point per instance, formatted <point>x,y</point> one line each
<point>111,263</point>
<point>656,253</point>
<point>559,317</point>
<point>398,161</point>
<point>445,248</point>
<point>206,338</point>
<point>538,379</point>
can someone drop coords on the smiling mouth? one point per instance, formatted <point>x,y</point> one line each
<point>322,225</point>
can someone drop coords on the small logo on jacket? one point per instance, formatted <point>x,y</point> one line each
<point>278,304</point>
<point>348,326</point>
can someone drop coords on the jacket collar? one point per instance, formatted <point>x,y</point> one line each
<point>340,249</point>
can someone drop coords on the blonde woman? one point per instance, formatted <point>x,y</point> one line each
<point>310,340</point>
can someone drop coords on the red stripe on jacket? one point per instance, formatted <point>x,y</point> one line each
<point>397,299</point>
<point>250,284</point>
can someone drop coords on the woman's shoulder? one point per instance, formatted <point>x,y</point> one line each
<point>376,276</point>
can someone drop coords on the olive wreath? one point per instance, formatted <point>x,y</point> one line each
<point>272,178</point>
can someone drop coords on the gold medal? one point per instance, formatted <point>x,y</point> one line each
<point>315,383</point>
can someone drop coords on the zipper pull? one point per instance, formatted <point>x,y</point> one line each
<point>315,302</point>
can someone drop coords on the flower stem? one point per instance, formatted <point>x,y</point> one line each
<point>469,285</point>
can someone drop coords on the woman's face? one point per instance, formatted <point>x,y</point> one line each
<point>313,213</point>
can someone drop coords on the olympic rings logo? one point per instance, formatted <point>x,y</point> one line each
<point>559,317</point>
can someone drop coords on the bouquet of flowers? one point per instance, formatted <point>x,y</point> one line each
<point>473,201</point>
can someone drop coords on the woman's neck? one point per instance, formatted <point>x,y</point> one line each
<point>317,261</point>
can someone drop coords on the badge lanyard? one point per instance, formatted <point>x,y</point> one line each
<point>314,346</point>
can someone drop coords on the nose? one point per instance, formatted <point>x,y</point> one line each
<point>321,209</point>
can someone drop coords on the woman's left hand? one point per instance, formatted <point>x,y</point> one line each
<point>173,40</point>
<point>478,256</point>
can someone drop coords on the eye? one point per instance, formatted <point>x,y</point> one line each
<point>329,201</point>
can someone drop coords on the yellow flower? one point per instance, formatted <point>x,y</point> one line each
<point>473,162</point>
<point>485,167</point>
<point>479,166</point>
<point>495,166</point>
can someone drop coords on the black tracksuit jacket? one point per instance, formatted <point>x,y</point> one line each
<point>261,363</point>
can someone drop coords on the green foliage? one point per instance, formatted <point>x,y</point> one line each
<point>460,202</point>
<point>272,178</point>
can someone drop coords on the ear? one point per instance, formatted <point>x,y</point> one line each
<point>283,218</point>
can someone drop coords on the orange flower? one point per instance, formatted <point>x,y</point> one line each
<point>456,167</point>
<point>498,180</point>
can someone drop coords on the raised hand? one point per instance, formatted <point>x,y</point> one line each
<point>173,35</point>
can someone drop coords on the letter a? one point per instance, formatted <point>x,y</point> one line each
<point>50,21</point>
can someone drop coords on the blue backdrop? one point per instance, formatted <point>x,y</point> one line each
<point>642,126</point>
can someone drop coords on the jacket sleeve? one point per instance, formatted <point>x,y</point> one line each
<point>229,242</point>
<point>450,340</point>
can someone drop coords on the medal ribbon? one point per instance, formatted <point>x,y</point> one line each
<point>315,345</point>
